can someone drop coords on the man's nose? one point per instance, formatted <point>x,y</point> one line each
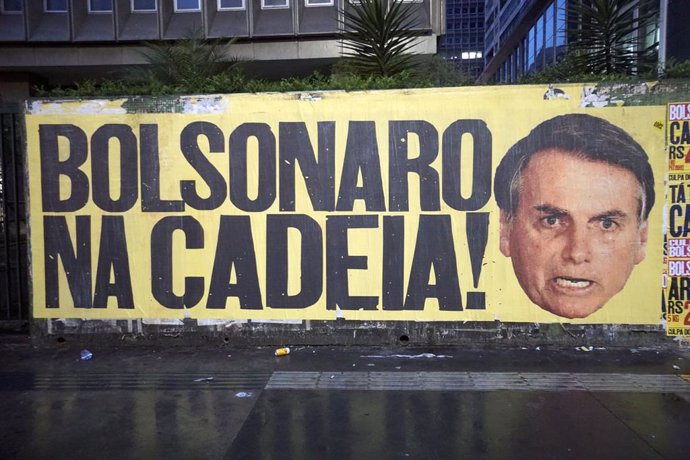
<point>577,247</point>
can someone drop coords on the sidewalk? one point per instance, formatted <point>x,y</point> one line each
<point>342,403</point>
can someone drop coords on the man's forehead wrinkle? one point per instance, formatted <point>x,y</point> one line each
<point>612,213</point>
<point>531,184</point>
<point>549,208</point>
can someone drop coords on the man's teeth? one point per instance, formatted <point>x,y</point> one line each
<point>572,283</point>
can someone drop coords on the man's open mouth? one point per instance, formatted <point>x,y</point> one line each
<point>577,283</point>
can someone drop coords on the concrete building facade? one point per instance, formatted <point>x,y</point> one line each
<point>58,41</point>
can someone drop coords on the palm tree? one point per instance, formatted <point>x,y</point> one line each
<point>188,61</point>
<point>377,39</point>
<point>608,35</point>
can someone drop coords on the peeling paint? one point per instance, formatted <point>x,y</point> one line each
<point>310,97</point>
<point>204,104</point>
<point>682,341</point>
<point>553,94</point>
<point>162,322</point>
<point>69,322</point>
<point>597,97</point>
<point>134,326</point>
<point>216,322</point>
<point>235,322</point>
<point>91,107</point>
<point>84,326</point>
<point>277,321</point>
<point>158,104</point>
<point>664,218</point>
<point>632,94</point>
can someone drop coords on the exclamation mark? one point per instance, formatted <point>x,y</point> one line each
<point>477,234</point>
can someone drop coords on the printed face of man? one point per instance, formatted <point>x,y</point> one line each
<point>576,234</point>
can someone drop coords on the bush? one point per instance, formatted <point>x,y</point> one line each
<point>677,69</point>
<point>436,71</point>
<point>430,72</point>
<point>568,70</point>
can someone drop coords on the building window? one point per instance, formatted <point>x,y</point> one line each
<point>144,6</point>
<point>187,5</point>
<point>268,4</point>
<point>550,36</point>
<point>318,2</point>
<point>471,55</point>
<point>224,5</point>
<point>539,54</point>
<point>561,26</point>
<point>525,51</point>
<point>532,36</point>
<point>11,6</point>
<point>100,6</point>
<point>55,6</point>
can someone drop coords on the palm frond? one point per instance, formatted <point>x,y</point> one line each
<point>376,38</point>
<point>188,60</point>
<point>606,37</point>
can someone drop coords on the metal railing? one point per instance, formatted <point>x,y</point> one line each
<point>14,298</point>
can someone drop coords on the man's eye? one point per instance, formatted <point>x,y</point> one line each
<point>608,224</point>
<point>551,221</point>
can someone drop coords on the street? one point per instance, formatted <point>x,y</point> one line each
<point>343,402</point>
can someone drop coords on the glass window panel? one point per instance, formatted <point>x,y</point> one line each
<point>539,53</point>
<point>549,35</point>
<point>525,48</point>
<point>56,6</point>
<point>12,6</point>
<point>560,23</point>
<point>530,48</point>
<point>318,2</point>
<point>274,4</point>
<point>187,5</point>
<point>143,5</point>
<point>548,28</point>
<point>230,4</point>
<point>101,5</point>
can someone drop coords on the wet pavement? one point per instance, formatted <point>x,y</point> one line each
<point>143,402</point>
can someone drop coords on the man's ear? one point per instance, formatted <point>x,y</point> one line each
<point>641,250</point>
<point>505,234</point>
